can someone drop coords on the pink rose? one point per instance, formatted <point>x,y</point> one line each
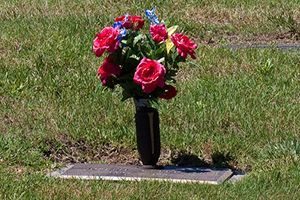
<point>169,92</point>
<point>184,45</point>
<point>108,70</point>
<point>106,40</point>
<point>150,75</point>
<point>131,22</point>
<point>158,32</point>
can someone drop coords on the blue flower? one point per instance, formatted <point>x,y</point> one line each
<point>152,17</point>
<point>122,34</point>
<point>123,31</point>
<point>117,25</point>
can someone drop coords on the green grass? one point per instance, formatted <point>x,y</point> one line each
<point>243,103</point>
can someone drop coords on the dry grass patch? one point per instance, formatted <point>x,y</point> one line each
<point>240,24</point>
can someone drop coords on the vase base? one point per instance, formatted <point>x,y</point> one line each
<point>148,135</point>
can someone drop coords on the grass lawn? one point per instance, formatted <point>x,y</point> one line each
<point>234,108</point>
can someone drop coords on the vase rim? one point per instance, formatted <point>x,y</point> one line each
<point>141,103</point>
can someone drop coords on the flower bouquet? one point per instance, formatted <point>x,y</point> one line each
<point>143,60</point>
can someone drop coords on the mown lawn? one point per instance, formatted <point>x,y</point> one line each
<point>234,108</point>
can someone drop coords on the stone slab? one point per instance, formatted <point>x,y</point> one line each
<point>138,173</point>
<point>237,176</point>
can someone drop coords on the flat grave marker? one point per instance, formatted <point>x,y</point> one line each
<point>138,173</point>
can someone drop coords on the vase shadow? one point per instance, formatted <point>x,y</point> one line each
<point>187,159</point>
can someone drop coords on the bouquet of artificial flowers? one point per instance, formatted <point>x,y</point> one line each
<point>142,62</point>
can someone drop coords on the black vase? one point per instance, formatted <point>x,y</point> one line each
<point>147,132</point>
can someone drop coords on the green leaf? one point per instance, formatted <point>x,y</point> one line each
<point>180,59</point>
<point>160,52</point>
<point>161,60</point>
<point>133,56</point>
<point>151,42</point>
<point>137,39</point>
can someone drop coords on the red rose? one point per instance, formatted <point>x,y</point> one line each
<point>150,75</point>
<point>131,22</point>
<point>158,32</point>
<point>169,92</point>
<point>108,70</point>
<point>106,40</point>
<point>184,45</point>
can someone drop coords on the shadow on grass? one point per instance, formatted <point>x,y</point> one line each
<point>218,160</point>
<point>68,150</point>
